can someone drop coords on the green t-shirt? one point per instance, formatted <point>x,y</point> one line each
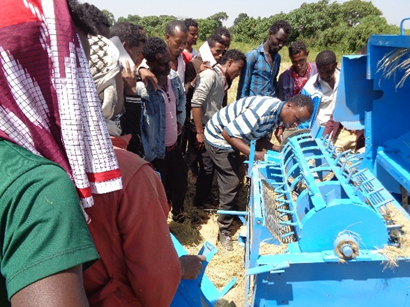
<point>43,229</point>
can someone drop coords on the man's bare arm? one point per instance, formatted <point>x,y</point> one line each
<point>64,289</point>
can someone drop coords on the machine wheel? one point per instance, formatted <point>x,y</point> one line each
<point>292,134</point>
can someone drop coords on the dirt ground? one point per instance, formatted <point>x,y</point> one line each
<point>224,265</point>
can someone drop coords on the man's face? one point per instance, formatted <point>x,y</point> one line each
<point>176,43</point>
<point>292,116</point>
<point>327,72</point>
<point>135,53</point>
<point>192,35</point>
<point>217,51</point>
<point>277,40</point>
<point>161,65</point>
<point>227,42</point>
<point>299,62</point>
<point>233,69</point>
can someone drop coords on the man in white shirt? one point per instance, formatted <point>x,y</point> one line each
<point>322,88</point>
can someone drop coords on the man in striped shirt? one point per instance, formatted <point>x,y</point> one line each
<point>258,77</point>
<point>229,133</point>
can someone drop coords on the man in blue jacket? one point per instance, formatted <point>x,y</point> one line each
<point>162,118</point>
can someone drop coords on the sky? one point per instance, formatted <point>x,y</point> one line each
<point>394,10</point>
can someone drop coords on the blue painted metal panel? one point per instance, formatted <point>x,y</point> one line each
<point>329,205</point>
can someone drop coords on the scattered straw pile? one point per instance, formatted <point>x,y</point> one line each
<point>272,249</point>
<point>402,237</point>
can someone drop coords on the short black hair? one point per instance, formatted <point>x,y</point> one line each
<point>232,54</point>
<point>280,24</point>
<point>297,47</point>
<point>81,18</point>
<point>97,16</point>
<point>139,27</point>
<point>215,38</point>
<point>170,27</point>
<point>189,22</point>
<point>128,33</point>
<point>153,46</point>
<point>222,32</point>
<point>326,57</point>
<point>302,101</point>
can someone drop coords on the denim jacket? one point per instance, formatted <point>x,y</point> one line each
<point>153,116</point>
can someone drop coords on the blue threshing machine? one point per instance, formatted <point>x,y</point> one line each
<point>319,220</point>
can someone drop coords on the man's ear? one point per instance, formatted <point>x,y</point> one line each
<point>230,62</point>
<point>167,36</point>
<point>307,52</point>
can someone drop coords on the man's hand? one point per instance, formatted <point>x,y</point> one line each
<point>259,155</point>
<point>147,76</point>
<point>204,66</point>
<point>191,266</point>
<point>200,141</point>
<point>179,128</point>
<point>129,79</point>
<point>279,134</point>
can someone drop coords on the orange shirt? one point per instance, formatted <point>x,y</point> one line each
<point>139,265</point>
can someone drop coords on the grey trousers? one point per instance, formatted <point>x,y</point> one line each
<point>226,165</point>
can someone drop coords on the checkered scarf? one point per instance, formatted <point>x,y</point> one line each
<point>300,81</point>
<point>48,101</point>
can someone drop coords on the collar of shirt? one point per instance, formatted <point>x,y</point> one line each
<point>326,85</point>
<point>222,71</point>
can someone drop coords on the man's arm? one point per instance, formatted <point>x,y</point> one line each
<point>265,143</point>
<point>181,103</point>
<point>63,289</point>
<point>238,144</point>
<point>246,75</point>
<point>146,75</point>
<point>152,262</point>
<point>205,81</point>
<point>280,92</point>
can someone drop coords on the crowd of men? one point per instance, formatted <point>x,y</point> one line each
<point>99,126</point>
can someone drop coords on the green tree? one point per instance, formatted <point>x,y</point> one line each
<point>206,27</point>
<point>353,11</point>
<point>135,19</point>
<point>239,18</point>
<point>219,17</point>
<point>313,18</point>
<point>109,15</point>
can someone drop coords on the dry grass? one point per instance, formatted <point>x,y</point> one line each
<point>401,236</point>
<point>224,265</point>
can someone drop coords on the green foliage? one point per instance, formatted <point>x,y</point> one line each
<point>343,28</point>
<point>109,15</point>
<point>322,25</point>
<point>153,25</point>
<point>208,25</point>
<point>239,18</point>
<point>254,30</point>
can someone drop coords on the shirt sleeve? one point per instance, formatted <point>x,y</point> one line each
<point>280,92</point>
<point>204,85</point>
<point>246,75</point>
<point>181,103</point>
<point>45,232</point>
<point>153,265</point>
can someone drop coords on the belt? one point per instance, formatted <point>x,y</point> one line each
<point>170,148</point>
